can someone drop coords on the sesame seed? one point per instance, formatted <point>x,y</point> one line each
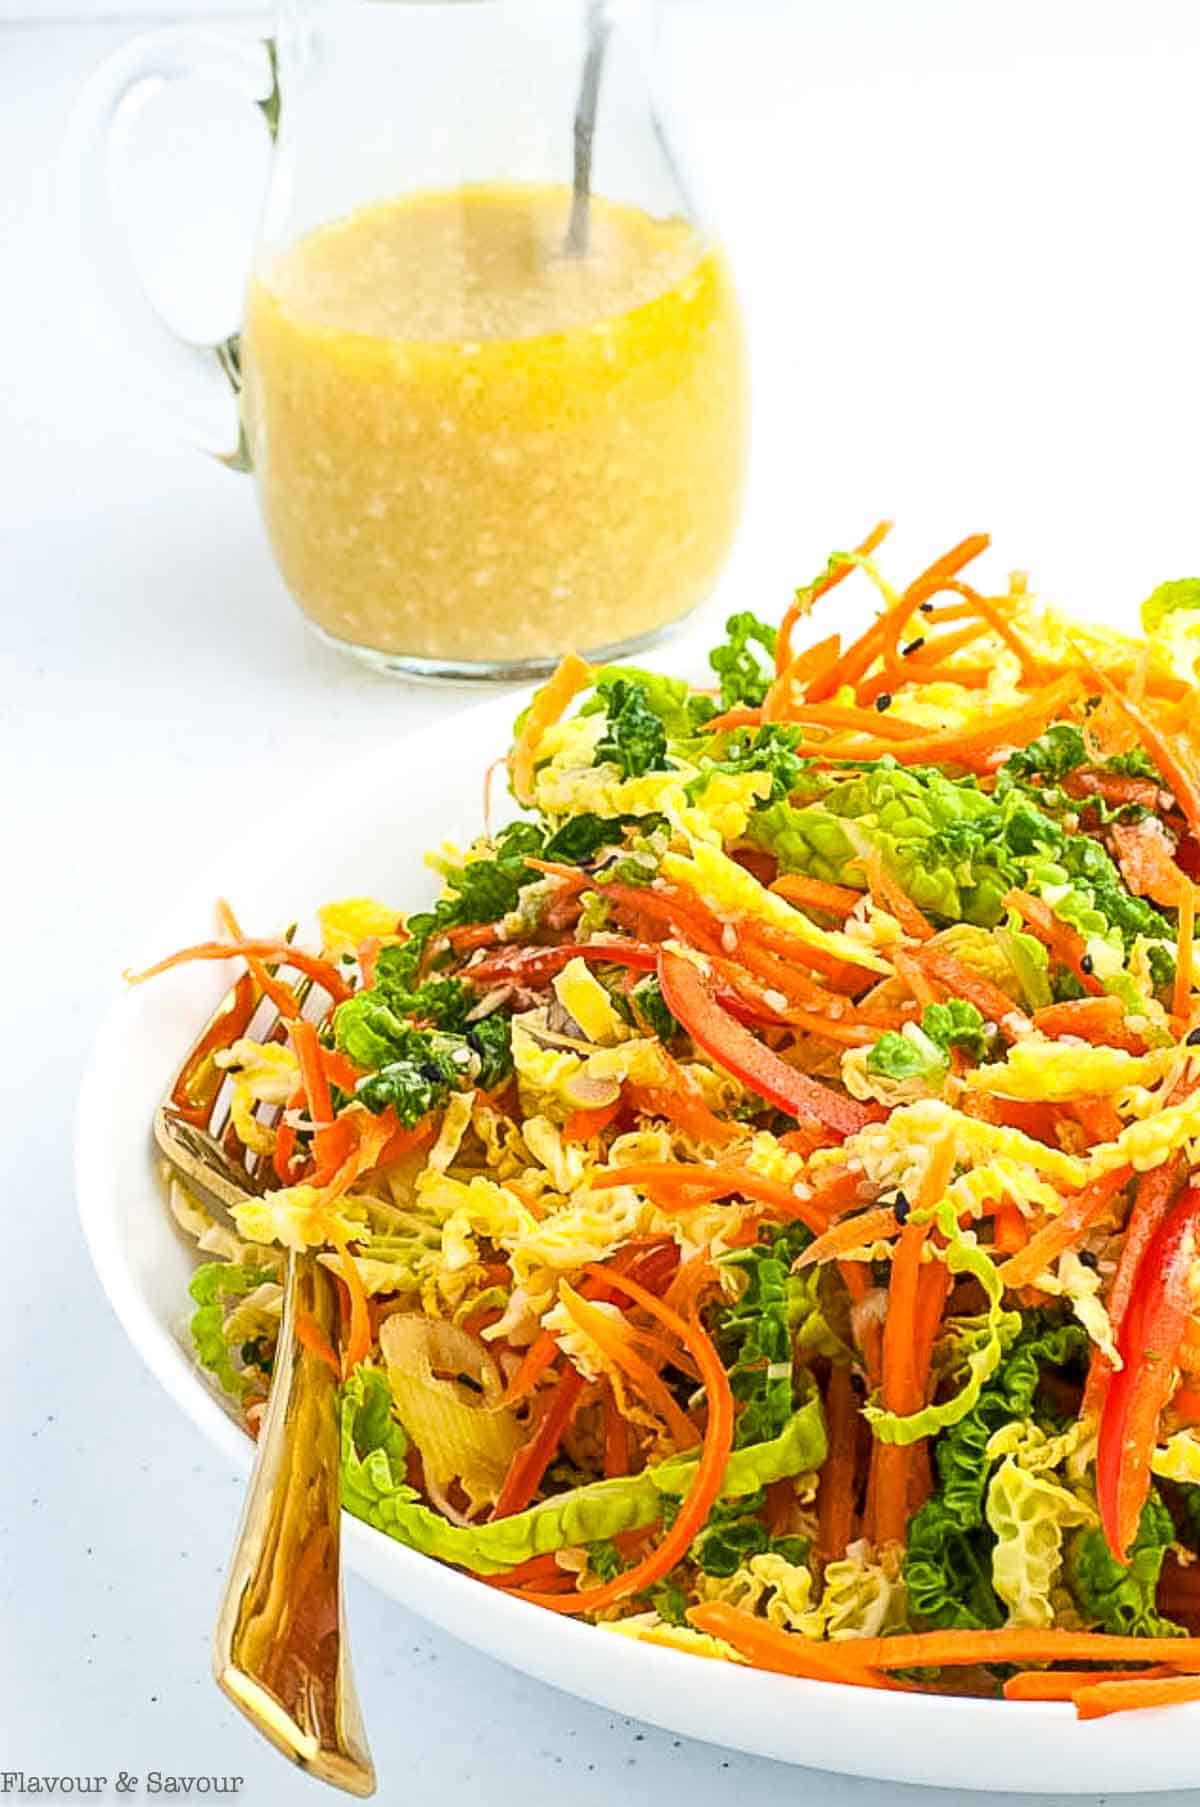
<point>901,1207</point>
<point>1087,965</point>
<point>1193,1037</point>
<point>914,646</point>
<point>883,701</point>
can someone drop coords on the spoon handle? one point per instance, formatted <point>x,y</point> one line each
<point>279,1649</point>
<point>599,28</point>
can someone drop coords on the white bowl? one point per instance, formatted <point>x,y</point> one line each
<point>378,818</point>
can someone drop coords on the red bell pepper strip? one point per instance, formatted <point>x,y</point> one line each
<point>534,965</point>
<point>689,995</point>
<point>1153,1328</point>
<point>1155,1192</point>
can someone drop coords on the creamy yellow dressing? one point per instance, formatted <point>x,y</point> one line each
<point>470,446</point>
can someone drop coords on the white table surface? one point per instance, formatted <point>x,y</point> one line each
<point>967,242</point>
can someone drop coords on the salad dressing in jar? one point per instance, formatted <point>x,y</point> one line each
<point>490,373</point>
<point>473,447</point>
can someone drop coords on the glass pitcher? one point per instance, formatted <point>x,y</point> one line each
<point>491,378</point>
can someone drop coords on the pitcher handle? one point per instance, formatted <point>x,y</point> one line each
<point>195,387</point>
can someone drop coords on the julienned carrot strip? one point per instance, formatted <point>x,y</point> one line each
<point>907,1347</point>
<point>1063,941</point>
<point>837,568</point>
<point>283,951</point>
<point>582,1125</point>
<point>358,1338</point>
<point>1100,1698</point>
<point>614,1342</point>
<point>683,1104</point>
<point>1062,1232</point>
<point>281,995</point>
<point>541,1354</point>
<point>793,983</point>
<point>672,1183</point>
<point>313,1338</point>
<point>933,1286</point>
<point>963,981</point>
<point>1185,954</point>
<point>835,1493</point>
<point>340,1070</point>
<point>706,1483</point>
<point>861,721</point>
<point>783,1652</point>
<point>1064,1684</point>
<point>540,1569</point>
<point>888,894</point>
<point>1010,1233</point>
<point>307,1048</point>
<point>368,955</point>
<point>616,1436</point>
<point>867,1326</point>
<point>531,1461</point>
<point>914,977</point>
<point>815,894</point>
<point>1098,1117</point>
<point>970,747</point>
<point>403,1141</point>
<point>335,1138</point>
<point>1013,1644</point>
<point>740,717</point>
<point>805,669</point>
<point>222,1032</point>
<point>285,1141</point>
<point>1171,753</point>
<point>573,675</point>
<point>939,577</point>
<point>992,613</point>
<point>858,657</point>
<point>859,1231</point>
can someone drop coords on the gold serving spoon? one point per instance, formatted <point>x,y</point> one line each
<point>279,1648</point>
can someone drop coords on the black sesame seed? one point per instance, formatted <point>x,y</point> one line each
<point>883,701</point>
<point>926,608</point>
<point>1193,1037</point>
<point>914,646</point>
<point>1087,965</point>
<point>1089,1260</point>
<point>901,1207</point>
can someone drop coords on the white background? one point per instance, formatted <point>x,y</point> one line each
<point>966,236</point>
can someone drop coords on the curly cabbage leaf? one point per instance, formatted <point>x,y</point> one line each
<point>948,1558</point>
<point>635,740</point>
<point>924,1052</point>
<point>1124,1599</point>
<point>212,1287</point>
<point>374,1453</point>
<point>755,1335</point>
<point>957,851</point>
<point>980,1356</point>
<point>680,711</point>
<point>769,750</point>
<point>1028,1514</point>
<point>744,677</point>
<point>480,888</point>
